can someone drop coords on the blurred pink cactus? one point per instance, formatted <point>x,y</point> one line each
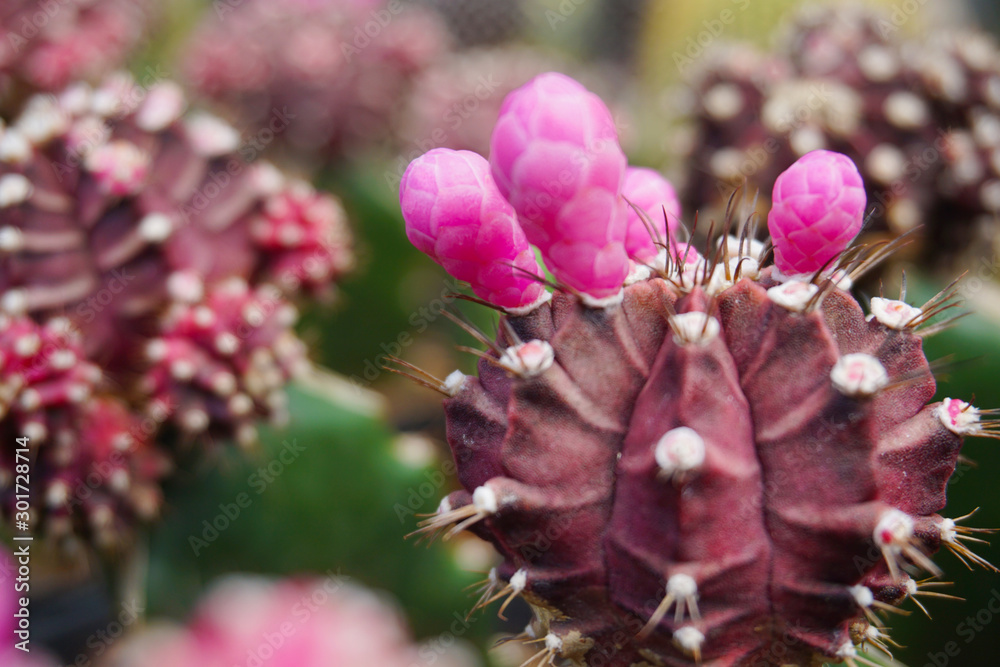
<point>818,208</point>
<point>223,357</point>
<point>98,472</point>
<point>300,623</point>
<point>132,234</point>
<point>655,196</point>
<point>555,156</point>
<point>455,214</point>
<point>324,77</point>
<point>48,45</point>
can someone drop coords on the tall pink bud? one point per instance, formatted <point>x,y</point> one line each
<point>455,214</point>
<point>818,207</point>
<point>555,156</point>
<point>652,194</point>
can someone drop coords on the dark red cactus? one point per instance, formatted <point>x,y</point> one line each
<point>725,465</point>
<point>919,116</point>
<point>167,259</point>
<point>222,359</point>
<point>94,470</point>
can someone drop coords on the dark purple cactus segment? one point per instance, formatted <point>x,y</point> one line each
<point>755,530</point>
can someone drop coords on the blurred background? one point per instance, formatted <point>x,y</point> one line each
<point>336,96</point>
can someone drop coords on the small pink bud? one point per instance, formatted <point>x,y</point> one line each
<point>651,193</point>
<point>555,155</point>
<point>818,207</point>
<point>455,214</point>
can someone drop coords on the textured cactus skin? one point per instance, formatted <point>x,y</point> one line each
<point>771,527</point>
<point>741,446</point>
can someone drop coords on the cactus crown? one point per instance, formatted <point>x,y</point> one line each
<point>693,456</point>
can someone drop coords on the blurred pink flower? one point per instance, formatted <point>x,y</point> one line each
<point>250,621</point>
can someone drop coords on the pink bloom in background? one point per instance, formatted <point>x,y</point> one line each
<point>555,155</point>
<point>455,214</point>
<point>817,209</point>
<point>293,623</point>
<point>653,194</point>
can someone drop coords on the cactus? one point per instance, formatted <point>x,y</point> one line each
<point>160,264</point>
<point>721,462</point>
<point>918,116</point>
<point>47,46</point>
<point>301,622</point>
<point>98,472</point>
<point>322,78</point>
<point>454,104</point>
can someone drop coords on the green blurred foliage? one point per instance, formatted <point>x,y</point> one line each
<point>332,507</point>
<point>970,354</point>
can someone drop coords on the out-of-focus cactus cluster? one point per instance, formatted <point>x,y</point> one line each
<point>300,623</point>
<point>145,268</point>
<point>456,101</point>
<point>323,78</point>
<point>920,116</point>
<point>682,456</point>
<point>48,45</point>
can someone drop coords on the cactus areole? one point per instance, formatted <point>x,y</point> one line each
<point>722,463</point>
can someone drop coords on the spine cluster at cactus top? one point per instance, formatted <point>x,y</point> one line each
<point>683,456</point>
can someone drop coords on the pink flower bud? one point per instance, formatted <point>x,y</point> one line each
<point>651,193</point>
<point>555,155</point>
<point>818,206</point>
<point>455,214</point>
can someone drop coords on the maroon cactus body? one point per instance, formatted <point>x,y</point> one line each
<point>771,525</point>
<point>720,464</point>
<point>138,238</point>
